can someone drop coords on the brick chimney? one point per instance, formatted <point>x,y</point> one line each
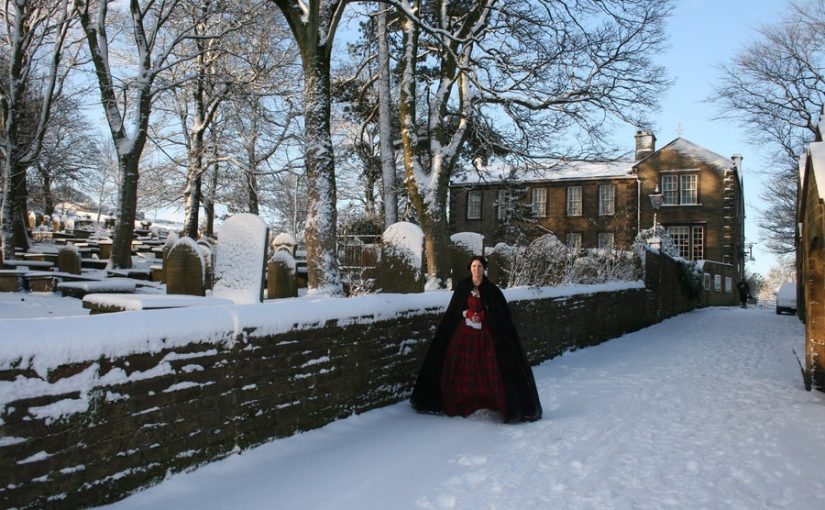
<point>645,144</point>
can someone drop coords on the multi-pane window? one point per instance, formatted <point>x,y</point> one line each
<point>670,190</point>
<point>574,200</point>
<point>574,241</point>
<point>680,189</point>
<point>689,240</point>
<point>474,204</point>
<point>607,200</point>
<point>688,189</point>
<point>540,202</point>
<point>606,240</point>
<point>717,282</point>
<point>698,241</point>
<point>681,240</point>
<point>504,203</point>
<point>728,284</point>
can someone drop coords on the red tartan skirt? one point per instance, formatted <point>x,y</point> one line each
<point>471,379</point>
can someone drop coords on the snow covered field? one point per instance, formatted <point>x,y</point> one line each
<point>705,410</point>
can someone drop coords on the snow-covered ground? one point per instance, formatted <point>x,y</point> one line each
<point>705,410</point>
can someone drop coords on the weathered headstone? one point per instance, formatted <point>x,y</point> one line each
<point>240,258</point>
<point>32,220</point>
<point>280,276</point>
<point>68,259</point>
<point>184,268</point>
<point>400,269</point>
<point>463,245</point>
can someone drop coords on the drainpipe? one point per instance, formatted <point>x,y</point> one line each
<point>638,206</point>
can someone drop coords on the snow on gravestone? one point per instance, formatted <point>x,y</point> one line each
<point>239,259</point>
<point>463,245</point>
<point>400,267</point>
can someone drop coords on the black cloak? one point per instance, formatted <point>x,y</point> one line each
<point>516,374</point>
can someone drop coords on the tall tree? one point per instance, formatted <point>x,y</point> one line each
<point>127,98</point>
<point>548,74</point>
<point>776,87</point>
<point>313,24</point>
<point>34,37</point>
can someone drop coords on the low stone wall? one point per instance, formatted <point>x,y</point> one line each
<point>89,431</point>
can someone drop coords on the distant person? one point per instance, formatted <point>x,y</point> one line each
<point>744,292</point>
<point>476,360</point>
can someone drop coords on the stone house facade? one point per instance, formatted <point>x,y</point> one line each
<point>594,205</point>
<point>811,259</point>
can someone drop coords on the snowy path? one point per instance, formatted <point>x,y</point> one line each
<point>705,410</point>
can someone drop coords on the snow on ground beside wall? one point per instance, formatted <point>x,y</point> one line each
<point>704,410</point>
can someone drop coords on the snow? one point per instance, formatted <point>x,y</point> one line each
<point>817,152</point>
<point>284,238</point>
<point>472,241</point>
<point>704,410</point>
<point>557,171</point>
<point>239,259</point>
<point>700,153</point>
<point>407,239</point>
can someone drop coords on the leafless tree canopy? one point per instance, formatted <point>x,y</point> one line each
<point>776,87</point>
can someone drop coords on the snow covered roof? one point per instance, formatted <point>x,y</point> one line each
<point>697,152</point>
<point>817,153</point>
<point>559,171</point>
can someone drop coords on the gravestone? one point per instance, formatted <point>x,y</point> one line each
<point>280,276</point>
<point>463,245</point>
<point>240,258</point>
<point>208,251</point>
<point>55,224</point>
<point>171,239</point>
<point>68,259</point>
<point>399,269</point>
<point>32,220</point>
<point>184,268</point>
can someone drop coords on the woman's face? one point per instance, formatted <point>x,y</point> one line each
<point>477,271</point>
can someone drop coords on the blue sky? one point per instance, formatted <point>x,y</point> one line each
<point>704,34</point>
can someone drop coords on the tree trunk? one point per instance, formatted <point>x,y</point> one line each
<point>212,188</point>
<point>320,236</point>
<point>388,171</point>
<point>127,212</point>
<point>48,196</point>
<point>192,194</point>
<point>20,208</point>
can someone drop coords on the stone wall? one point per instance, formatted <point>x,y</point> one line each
<point>211,399</point>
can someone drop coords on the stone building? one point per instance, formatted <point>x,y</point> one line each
<point>811,258</point>
<point>595,205</point>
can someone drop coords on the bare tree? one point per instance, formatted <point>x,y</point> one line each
<point>549,75</point>
<point>776,87</point>
<point>35,38</point>
<point>314,25</point>
<point>68,155</point>
<point>127,98</point>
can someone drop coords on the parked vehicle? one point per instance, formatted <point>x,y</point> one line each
<point>786,298</point>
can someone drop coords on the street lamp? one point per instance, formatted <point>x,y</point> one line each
<point>656,202</point>
<point>747,252</point>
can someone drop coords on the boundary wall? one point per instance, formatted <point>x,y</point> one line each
<point>84,425</point>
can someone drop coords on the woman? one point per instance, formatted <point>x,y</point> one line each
<point>476,360</point>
